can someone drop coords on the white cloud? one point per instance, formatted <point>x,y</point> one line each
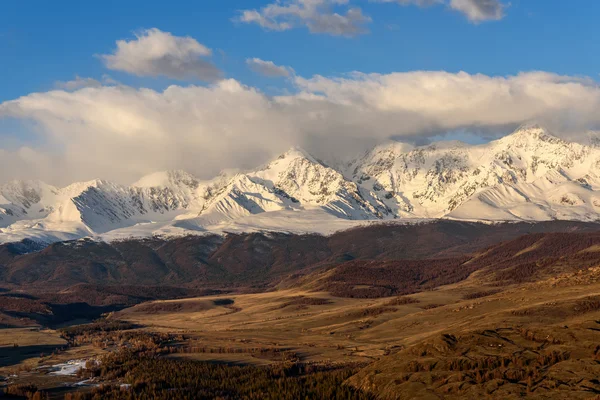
<point>316,15</point>
<point>80,83</point>
<point>420,3</point>
<point>475,10</point>
<point>268,68</point>
<point>77,83</point>
<point>154,52</point>
<point>121,133</point>
<point>453,100</point>
<point>255,17</point>
<point>108,80</point>
<point>28,163</point>
<point>479,10</point>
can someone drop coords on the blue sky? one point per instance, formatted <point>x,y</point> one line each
<point>118,89</point>
<point>42,42</point>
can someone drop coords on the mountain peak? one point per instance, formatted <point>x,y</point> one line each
<point>286,161</point>
<point>297,152</point>
<point>76,188</point>
<point>529,175</point>
<point>530,129</point>
<point>167,179</point>
<point>395,146</point>
<point>530,132</point>
<point>292,156</point>
<point>30,184</point>
<point>530,126</point>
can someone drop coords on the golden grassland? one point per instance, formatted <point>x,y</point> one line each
<point>535,339</point>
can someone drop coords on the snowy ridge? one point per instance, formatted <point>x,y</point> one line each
<point>455,180</point>
<point>529,175</point>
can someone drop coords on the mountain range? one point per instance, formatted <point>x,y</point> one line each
<point>529,175</point>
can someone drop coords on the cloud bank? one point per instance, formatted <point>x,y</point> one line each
<point>476,11</point>
<point>268,68</point>
<point>479,10</point>
<point>77,83</point>
<point>419,3</point>
<point>121,133</point>
<point>157,53</point>
<point>317,15</point>
<point>81,82</point>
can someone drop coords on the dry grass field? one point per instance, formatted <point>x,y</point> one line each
<point>520,319</point>
<point>412,345</point>
<point>440,343</point>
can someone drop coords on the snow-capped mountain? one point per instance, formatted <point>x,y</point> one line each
<point>528,175</point>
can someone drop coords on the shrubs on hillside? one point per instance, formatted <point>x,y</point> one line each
<point>26,391</point>
<point>480,294</point>
<point>371,312</point>
<point>375,279</point>
<point>302,302</point>
<point>527,258</point>
<point>96,327</point>
<point>161,378</point>
<point>401,301</point>
<point>589,304</point>
<point>22,304</point>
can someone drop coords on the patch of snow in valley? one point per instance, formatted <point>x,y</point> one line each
<point>69,368</point>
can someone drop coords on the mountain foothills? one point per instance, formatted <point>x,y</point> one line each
<point>437,310</point>
<point>62,281</point>
<point>529,175</point>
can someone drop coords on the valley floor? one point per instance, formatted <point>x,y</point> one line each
<point>466,340</point>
